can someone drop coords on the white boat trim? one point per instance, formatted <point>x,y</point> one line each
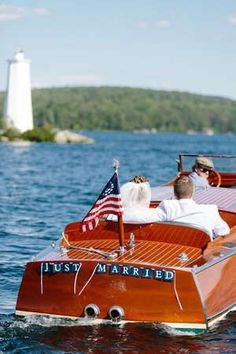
<point>178,325</point>
<point>192,326</point>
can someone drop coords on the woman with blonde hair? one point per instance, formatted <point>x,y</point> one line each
<point>136,198</point>
<point>136,193</point>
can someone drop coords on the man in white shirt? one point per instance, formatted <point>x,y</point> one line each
<point>136,196</point>
<point>183,209</point>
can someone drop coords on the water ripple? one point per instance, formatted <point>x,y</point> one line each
<point>44,187</point>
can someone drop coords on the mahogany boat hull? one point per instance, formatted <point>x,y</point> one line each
<point>169,273</point>
<point>181,298</point>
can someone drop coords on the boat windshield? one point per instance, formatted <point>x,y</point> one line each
<point>222,163</point>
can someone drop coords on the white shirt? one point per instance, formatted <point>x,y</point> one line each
<point>199,182</point>
<point>187,211</point>
<point>137,215</point>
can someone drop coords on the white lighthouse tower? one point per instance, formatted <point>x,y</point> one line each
<point>18,102</point>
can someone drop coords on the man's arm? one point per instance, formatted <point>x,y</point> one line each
<point>161,213</point>
<point>221,228</point>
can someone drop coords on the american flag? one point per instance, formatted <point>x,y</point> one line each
<point>108,202</point>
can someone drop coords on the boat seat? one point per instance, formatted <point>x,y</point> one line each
<point>178,233</point>
<point>168,232</point>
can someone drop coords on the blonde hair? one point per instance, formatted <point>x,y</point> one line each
<point>136,193</point>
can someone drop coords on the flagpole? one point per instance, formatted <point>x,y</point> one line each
<point>120,217</point>
<point>121,231</point>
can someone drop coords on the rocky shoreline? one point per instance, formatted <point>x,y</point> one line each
<point>68,137</point>
<point>44,135</point>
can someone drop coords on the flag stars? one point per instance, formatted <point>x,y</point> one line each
<point>109,190</point>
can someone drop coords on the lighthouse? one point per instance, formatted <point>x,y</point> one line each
<point>18,103</point>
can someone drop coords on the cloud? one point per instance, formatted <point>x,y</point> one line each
<point>153,25</point>
<point>68,80</point>
<point>12,13</point>
<point>143,24</point>
<point>162,24</point>
<point>88,79</point>
<point>41,11</point>
<point>232,20</point>
<point>9,13</point>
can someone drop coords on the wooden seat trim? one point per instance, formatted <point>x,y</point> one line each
<point>173,233</point>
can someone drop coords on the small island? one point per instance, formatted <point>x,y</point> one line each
<point>45,135</point>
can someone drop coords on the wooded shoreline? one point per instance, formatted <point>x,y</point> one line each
<point>123,108</point>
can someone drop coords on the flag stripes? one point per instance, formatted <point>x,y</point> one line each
<point>108,202</point>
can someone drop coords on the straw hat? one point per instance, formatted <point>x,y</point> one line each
<point>203,162</point>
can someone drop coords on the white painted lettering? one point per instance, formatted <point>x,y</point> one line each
<point>76,266</point>
<point>158,274</point>
<point>66,267</point>
<point>46,267</point>
<point>57,267</point>
<point>168,275</point>
<point>135,272</point>
<point>125,270</point>
<point>147,273</point>
<point>101,268</point>
<point>114,269</point>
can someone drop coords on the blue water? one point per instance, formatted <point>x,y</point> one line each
<point>45,186</point>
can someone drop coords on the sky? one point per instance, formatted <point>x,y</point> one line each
<point>181,45</point>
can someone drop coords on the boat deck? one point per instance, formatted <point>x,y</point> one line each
<point>224,198</point>
<point>150,253</point>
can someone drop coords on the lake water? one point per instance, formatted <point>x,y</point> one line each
<point>45,186</point>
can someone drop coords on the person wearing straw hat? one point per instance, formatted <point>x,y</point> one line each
<point>201,171</point>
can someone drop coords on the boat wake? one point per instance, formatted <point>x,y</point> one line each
<point>47,334</point>
<point>12,322</point>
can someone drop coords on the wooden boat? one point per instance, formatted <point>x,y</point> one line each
<point>165,272</point>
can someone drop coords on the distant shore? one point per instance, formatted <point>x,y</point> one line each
<point>131,109</point>
<point>45,135</point>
